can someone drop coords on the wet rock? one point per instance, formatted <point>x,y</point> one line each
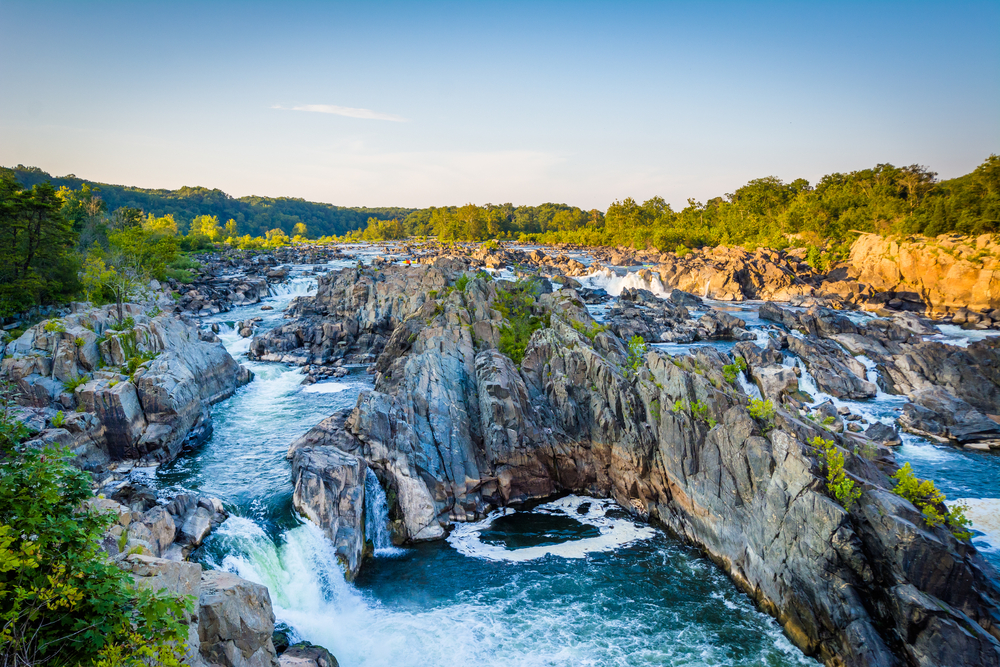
<point>235,621</point>
<point>330,488</point>
<point>884,434</point>
<point>938,413</point>
<point>305,654</point>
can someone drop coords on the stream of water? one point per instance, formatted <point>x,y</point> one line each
<point>572,582</point>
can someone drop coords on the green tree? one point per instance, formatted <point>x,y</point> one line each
<point>37,263</point>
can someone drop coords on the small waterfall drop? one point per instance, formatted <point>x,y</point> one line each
<point>377,517</point>
<point>749,388</point>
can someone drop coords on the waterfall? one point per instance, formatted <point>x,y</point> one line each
<point>377,517</point>
<point>749,388</point>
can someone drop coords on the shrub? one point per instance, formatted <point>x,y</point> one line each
<point>59,419</point>
<point>61,599</point>
<point>79,342</point>
<point>517,305</point>
<point>731,371</point>
<point>930,501</point>
<point>71,384</point>
<point>763,412</point>
<point>462,282</point>
<point>591,331</point>
<point>636,353</point>
<point>829,419</point>
<point>54,326</point>
<point>125,324</point>
<point>842,487</point>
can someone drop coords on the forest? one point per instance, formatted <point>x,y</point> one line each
<point>764,212</point>
<point>62,238</point>
<point>253,215</point>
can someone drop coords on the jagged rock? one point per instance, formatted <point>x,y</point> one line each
<point>834,371</point>
<point>177,579</point>
<point>941,415</point>
<point>305,654</point>
<point>454,429</point>
<point>235,622</point>
<point>883,433</point>
<point>775,381</point>
<point>196,527</point>
<point>150,414</point>
<point>330,489</point>
<point>717,324</point>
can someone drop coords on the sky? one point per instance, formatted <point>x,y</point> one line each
<point>428,104</point>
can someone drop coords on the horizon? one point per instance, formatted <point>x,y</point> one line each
<point>415,106</point>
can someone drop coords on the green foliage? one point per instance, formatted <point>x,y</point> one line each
<point>79,342</point>
<point>61,598</point>
<point>763,412</point>
<point>517,305</point>
<point>654,410</point>
<point>589,331</point>
<point>930,501</point>
<point>698,410</point>
<point>125,324</point>
<point>53,326</point>
<point>37,241</point>
<point>731,371</point>
<point>829,420</point>
<point>636,354</point>
<point>58,419</point>
<point>842,487</point>
<point>72,383</point>
<point>462,282</point>
<point>250,215</point>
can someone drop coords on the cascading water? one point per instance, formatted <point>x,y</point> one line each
<point>575,582</point>
<point>377,517</point>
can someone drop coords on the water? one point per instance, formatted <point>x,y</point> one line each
<point>377,517</point>
<point>574,581</point>
<point>571,582</point>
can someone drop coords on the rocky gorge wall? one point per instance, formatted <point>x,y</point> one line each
<point>453,429</point>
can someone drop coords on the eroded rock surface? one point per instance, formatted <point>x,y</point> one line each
<point>455,428</point>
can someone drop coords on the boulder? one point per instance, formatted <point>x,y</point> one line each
<point>305,654</point>
<point>235,621</point>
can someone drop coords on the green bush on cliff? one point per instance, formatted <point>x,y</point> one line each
<point>930,501</point>
<point>62,600</point>
<point>763,412</point>
<point>517,304</point>
<point>841,486</point>
<point>636,354</point>
<point>731,371</point>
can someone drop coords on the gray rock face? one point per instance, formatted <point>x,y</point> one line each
<point>330,489</point>
<point>836,372</point>
<point>307,655</point>
<point>149,414</point>
<point>351,317</point>
<point>455,428</point>
<point>235,622</point>
<point>938,414</point>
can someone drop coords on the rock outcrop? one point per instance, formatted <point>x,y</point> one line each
<point>455,428</point>
<point>949,273</point>
<point>148,382</point>
<point>233,619</point>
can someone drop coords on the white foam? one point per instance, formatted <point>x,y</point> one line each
<point>613,284</point>
<point>614,533</point>
<point>985,516</point>
<point>952,334</point>
<point>331,387</point>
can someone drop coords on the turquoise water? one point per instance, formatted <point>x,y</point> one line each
<point>572,582</point>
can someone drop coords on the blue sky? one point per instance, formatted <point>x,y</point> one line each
<point>420,104</point>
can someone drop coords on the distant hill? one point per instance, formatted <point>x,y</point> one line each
<point>254,215</point>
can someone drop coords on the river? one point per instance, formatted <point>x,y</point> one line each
<point>574,581</point>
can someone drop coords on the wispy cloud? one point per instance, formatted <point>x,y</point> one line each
<point>350,112</point>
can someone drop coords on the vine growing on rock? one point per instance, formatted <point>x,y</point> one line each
<point>843,487</point>
<point>931,503</point>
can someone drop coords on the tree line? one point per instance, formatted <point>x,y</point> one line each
<point>254,215</point>
<point>764,212</point>
<point>60,238</point>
